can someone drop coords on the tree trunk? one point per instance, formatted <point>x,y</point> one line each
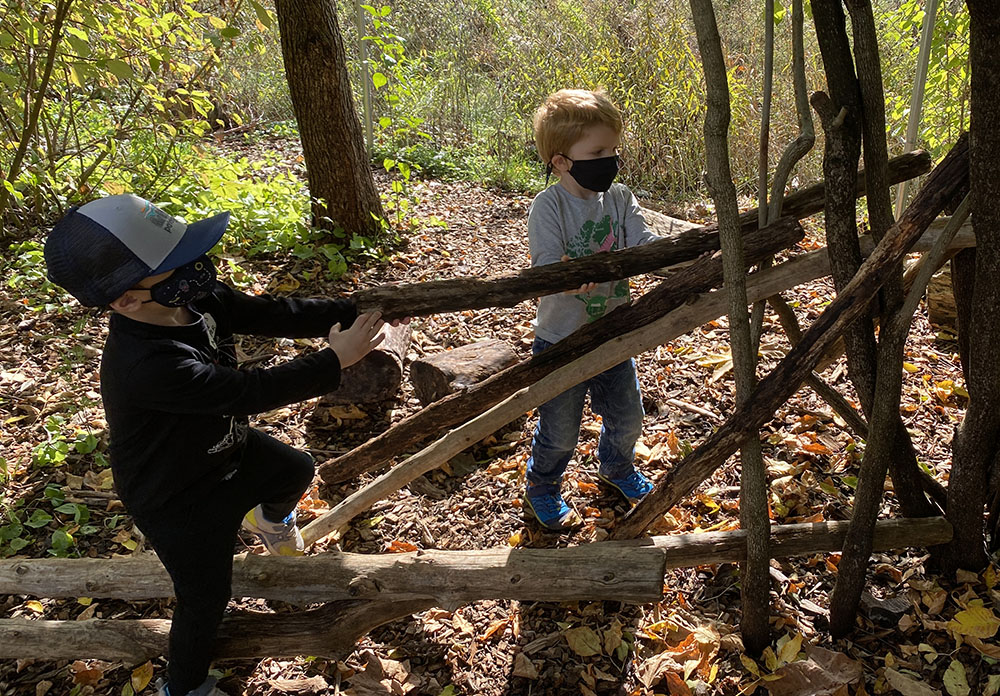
<point>337,167</point>
<point>841,114</point>
<point>436,376</point>
<point>851,303</point>
<point>700,276</point>
<point>755,580</point>
<point>378,375</point>
<point>976,443</point>
<point>388,587</point>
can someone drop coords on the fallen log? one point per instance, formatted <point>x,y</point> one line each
<point>333,629</point>
<point>378,375</point>
<point>457,408</point>
<point>456,294</point>
<point>436,376</point>
<point>699,276</point>
<point>944,183</point>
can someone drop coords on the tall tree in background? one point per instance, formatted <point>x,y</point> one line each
<point>339,175</point>
<point>976,443</point>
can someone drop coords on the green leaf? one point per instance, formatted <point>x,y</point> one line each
<point>39,518</point>
<point>230,32</point>
<point>263,16</point>
<point>379,80</point>
<point>120,69</point>
<point>583,641</point>
<point>10,81</point>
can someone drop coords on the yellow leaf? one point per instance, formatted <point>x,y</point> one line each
<point>84,601</point>
<point>790,650</point>
<point>141,676</point>
<point>990,577</point>
<point>583,641</point>
<point>910,367</point>
<point>977,620</point>
<point>992,685</point>
<point>750,665</point>
<point>348,412</point>
<point>956,683</point>
<point>35,606</point>
<point>770,659</point>
<point>515,539</point>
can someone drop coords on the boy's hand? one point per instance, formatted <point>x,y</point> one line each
<point>356,342</point>
<point>586,287</point>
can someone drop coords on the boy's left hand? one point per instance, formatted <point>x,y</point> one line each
<point>586,287</point>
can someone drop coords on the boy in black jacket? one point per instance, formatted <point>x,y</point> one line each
<point>186,465</point>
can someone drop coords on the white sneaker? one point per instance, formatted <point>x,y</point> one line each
<point>280,538</point>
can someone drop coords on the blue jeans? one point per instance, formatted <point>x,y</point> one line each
<point>614,395</point>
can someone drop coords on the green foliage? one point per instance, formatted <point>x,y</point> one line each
<point>946,99</point>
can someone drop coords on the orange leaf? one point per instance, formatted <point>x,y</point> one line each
<point>817,448</point>
<point>676,685</point>
<point>397,546</point>
<point>587,487</point>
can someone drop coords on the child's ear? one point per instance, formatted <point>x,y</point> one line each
<point>560,164</point>
<point>127,303</point>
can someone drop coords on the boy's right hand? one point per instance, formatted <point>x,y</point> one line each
<point>356,342</point>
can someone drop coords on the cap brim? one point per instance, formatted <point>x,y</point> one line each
<point>198,239</point>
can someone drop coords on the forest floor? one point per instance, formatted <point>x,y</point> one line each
<point>687,643</point>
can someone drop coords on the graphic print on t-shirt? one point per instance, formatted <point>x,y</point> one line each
<point>597,236</point>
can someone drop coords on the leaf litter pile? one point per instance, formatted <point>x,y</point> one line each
<point>917,633</point>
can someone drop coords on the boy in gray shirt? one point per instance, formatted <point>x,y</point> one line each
<point>578,133</point>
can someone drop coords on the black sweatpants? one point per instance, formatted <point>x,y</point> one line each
<point>195,538</point>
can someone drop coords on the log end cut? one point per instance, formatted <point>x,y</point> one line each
<point>438,375</point>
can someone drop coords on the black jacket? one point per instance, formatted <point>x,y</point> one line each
<point>177,405</point>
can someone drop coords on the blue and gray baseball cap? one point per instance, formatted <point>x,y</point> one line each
<point>101,249</point>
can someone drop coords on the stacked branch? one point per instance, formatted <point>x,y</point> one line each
<point>457,294</point>
<point>364,591</point>
<point>946,181</point>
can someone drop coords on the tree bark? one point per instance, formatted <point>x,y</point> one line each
<point>851,303</point>
<point>392,586</point>
<point>436,376</point>
<point>456,294</point>
<point>337,167</point>
<point>976,443</point>
<point>840,160</point>
<point>378,375</point>
<point>755,580</point>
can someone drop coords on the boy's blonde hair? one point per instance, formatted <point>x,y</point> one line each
<point>564,116</point>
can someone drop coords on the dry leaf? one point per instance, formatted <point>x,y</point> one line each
<point>141,676</point>
<point>612,637</point>
<point>523,667</point>
<point>822,673</point>
<point>655,668</point>
<point>676,685</point>
<point>348,412</point>
<point>992,685</point>
<point>956,683</point>
<point>977,620</point>
<point>583,641</point>
<point>312,685</point>
<point>86,675</point>
<point>397,546</point>
<point>908,686</point>
<point>462,624</point>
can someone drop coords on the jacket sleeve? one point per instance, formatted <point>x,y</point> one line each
<point>178,380</point>
<point>265,315</point>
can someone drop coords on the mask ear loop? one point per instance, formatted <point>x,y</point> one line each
<point>548,173</point>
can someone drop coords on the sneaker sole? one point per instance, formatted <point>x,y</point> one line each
<point>618,491</point>
<point>558,527</point>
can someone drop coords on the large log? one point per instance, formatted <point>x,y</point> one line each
<point>390,583</point>
<point>700,276</point>
<point>944,183</point>
<point>377,376</point>
<point>436,376</point>
<point>455,294</point>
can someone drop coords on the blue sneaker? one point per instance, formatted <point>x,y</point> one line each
<point>547,504</point>
<point>633,487</point>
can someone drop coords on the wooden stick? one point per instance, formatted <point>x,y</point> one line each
<point>392,581</point>
<point>456,294</point>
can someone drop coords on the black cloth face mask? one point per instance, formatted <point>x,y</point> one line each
<point>595,174</point>
<point>192,281</point>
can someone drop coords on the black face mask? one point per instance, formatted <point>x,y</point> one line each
<point>192,281</point>
<point>595,174</point>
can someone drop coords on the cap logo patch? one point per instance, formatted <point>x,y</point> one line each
<point>158,217</point>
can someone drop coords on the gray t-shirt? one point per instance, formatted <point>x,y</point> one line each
<point>561,224</point>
